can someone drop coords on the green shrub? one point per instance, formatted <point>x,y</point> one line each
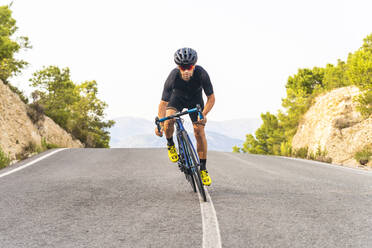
<point>363,156</point>
<point>236,149</point>
<point>285,149</point>
<point>365,104</point>
<point>46,146</point>
<point>320,155</point>
<point>4,159</point>
<point>30,149</point>
<point>21,156</point>
<point>35,112</point>
<point>301,153</point>
<point>311,156</point>
<point>324,159</point>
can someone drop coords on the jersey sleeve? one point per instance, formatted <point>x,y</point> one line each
<point>206,83</point>
<point>168,86</point>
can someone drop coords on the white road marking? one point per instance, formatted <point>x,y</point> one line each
<point>336,166</point>
<point>31,163</point>
<point>313,162</point>
<point>211,229</point>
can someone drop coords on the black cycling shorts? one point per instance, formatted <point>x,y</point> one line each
<point>179,101</point>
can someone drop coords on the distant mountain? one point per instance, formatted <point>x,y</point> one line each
<point>130,132</point>
<point>235,128</point>
<point>216,141</point>
<point>126,127</point>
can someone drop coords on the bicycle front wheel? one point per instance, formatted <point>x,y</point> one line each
<point>187,171</point>
<point>194,161</point>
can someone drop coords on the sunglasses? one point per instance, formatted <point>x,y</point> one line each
<point>186,67</point>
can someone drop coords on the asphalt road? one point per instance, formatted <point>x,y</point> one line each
<point>137,198</point>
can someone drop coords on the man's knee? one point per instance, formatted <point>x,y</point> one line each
<point>168,124</point>
<point>199,130</point>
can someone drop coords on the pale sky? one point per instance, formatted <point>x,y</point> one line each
<point>249,48</point>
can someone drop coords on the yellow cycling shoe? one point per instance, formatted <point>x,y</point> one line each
<point>205,177</point>
<point>172,153</point>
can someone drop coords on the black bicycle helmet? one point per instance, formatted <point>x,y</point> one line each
<point>185,56</point>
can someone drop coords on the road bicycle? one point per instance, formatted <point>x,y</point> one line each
<point>188,162</point>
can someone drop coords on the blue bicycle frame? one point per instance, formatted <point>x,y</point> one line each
<point>181,145</point>
<point>180,129</point>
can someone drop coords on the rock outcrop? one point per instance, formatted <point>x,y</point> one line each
<point>17,130</point>
<point>333,124</point>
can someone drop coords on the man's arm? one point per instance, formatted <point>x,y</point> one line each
<point>208,90</point>
<point>161,114</point>
<point>167,92</point>
<point>209,105</point>
<point>162,109</point>
<point>166,95</point>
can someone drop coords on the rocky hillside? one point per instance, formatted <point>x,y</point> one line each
<point>17,130</point>
<point>334,125</point>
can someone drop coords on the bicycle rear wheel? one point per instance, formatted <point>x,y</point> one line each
<point>194,165</point>
<point>191,179</point>
<point>200,183</point>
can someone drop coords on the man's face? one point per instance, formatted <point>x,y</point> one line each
<point>186,72</point>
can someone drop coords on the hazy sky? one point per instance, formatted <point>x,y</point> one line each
<point>249,48</point>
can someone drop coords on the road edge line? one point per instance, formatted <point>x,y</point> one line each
<point>337,166</point>
<point>30,163</point>
<point>211,229</point>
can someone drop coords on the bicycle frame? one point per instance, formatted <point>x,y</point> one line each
<point>180,129</point>
<point>181,147</point>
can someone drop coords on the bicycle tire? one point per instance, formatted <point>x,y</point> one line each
<point>191,180</point>
<point>189,176</point>
<point>195,168</point>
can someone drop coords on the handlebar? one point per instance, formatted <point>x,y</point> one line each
<point>197,109</point>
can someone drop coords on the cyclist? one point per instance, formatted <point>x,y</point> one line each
<point>183,89</point>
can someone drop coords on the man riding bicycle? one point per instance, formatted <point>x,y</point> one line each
<point>183,89</point>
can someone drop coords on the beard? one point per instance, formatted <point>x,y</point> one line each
<point>186,76</point>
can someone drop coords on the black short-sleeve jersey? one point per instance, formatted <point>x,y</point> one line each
<point>176,85</point>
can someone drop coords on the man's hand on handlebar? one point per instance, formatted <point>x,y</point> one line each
<point>159,129</point>
<point>202,121</point>
<point>160,134</point>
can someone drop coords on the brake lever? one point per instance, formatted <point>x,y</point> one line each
<point>199,112</point>
<point>157,123</point>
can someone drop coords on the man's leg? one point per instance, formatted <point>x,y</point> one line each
<point>169,130</point>
<point>169,124</point>
<point>201,140</point>
<point>201,147</point>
